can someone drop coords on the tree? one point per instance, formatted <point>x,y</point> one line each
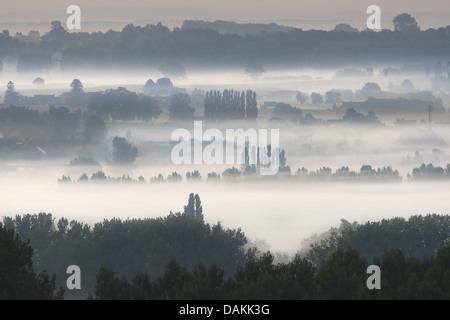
<point>179,107</point>
<point>345,28</point>
<point>371,89</point>
<point>17,276</point>
<point>230,105</point>
<point>149,83</point>
<point>352,116</point>
<point>76,86</point>
<point>251,107</point>
<point>57,32</point>
<point>231,173</point>
<point>123,151</point>
<point>38,80</point>
<point>76,96</point>
<point>148,109</point>
<point>287,111</point>
<point>193,176</point>
<point>198,208</point>
<point>194,207</point>
<point>301,97</point>
<point>12,97</point>
<point>110,287</point>
<point>174,177</point>
<point>149,86</point>
<point>343,276</point>
<point>316,98</point>
<point>254,70</point>
<point>332,96</point>
<point>164,83</point>
<point>405,23</point>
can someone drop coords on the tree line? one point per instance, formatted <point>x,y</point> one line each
<point>418,236</point>
<point>430,172</point>
<point>182,257</point>
<point>138,46</point>
<point>129,246</point>
<point>366,173</point>
<point>424,172</point>
<point>230,105</point>
<point>342,277</point>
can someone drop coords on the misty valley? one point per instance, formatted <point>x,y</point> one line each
<point>197,164</point>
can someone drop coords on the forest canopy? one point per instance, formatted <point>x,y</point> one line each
<point>180,256</point>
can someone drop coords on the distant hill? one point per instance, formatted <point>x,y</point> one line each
<point>229,27</point>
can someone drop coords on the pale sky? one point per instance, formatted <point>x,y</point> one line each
<point>318,14</point>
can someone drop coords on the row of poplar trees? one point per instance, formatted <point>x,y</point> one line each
<point>230,105</point>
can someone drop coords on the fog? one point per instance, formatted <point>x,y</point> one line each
<point>280,211</point>
<point>272,80</point>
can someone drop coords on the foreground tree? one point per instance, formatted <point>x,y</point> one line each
<point>18,279</point>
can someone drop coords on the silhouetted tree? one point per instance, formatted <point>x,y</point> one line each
<point>18,279</point>
<point>230,105</point>
<point>371,89</point>
<point>179,107</point>
<point>332,96</point>
<point>286,111</point>
<point>405,23</point>
<point>316,98</point>
<point>194,207</point>
<point>56,36</point>
<point>12,97</point>
<point>76,96</point>
<point>164,83</point>
<point>301,97</point>
<point>254,70</point>
<point>345,28</point>
<point>123,151</point>
<point>38,80</point>
<point>125,105</point>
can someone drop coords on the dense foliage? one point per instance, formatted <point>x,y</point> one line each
<point>122,104</point>
<point>342,277</point>
<point>181,257</point>
<point>18,279</point>
<point>130,246</point>
<point>419,236</point>
<point>230,105</point>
